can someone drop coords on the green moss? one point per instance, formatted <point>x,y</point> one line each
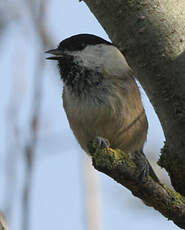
<point>176,197</point>
<point>121,156</point>
<point>110,158</point>
<point>131,2</point>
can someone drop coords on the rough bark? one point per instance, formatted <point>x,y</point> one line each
<point>151,35</point>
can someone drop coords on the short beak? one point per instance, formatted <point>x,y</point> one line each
<point>57,54</point>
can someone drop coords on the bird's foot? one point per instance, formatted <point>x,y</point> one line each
<point>142,165</point>
<point>98,143</point>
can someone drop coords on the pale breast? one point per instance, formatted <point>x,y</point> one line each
<point>117,117</point>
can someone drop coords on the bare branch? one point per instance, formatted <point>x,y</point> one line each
<point>30,147</point>
<point>13,145</point>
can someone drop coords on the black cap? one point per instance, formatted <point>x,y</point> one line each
<point>80,41</point>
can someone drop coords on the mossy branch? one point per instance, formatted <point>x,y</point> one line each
<point>120,166</point>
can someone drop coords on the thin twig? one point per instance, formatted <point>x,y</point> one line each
<point>13,145</point>
<point>30,148</point>
<point>92,196</point>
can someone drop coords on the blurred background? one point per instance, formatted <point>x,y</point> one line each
<point>46,180</point>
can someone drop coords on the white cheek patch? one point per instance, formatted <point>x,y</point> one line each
<point>102,57</point>
<point>90,57</point>
<point>115,63</point>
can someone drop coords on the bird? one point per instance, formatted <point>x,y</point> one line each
<point>100,95</point>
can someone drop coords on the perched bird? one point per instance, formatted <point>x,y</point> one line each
<point>100,95</point>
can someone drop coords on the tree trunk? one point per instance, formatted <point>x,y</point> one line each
<point>151,35</point>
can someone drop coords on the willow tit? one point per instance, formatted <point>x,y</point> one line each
<point>100,95</point>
